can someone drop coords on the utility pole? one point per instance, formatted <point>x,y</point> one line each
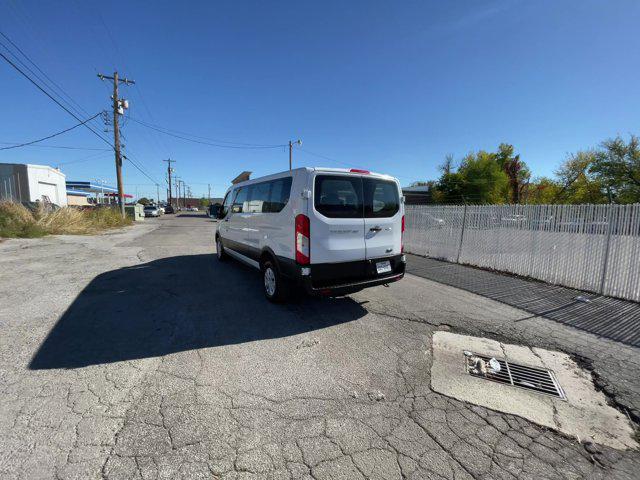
<point>118,106</point>
<point>209,186</point>
<point>184,194</point>
<point>291,143</point>
<point>169,171</point>
<point>177,192</point>
<point>157,194</point>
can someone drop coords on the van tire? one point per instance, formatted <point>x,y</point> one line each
<point>272,282</point>
<point>220,253</point>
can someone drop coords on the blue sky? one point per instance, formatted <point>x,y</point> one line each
<point>390,86</point>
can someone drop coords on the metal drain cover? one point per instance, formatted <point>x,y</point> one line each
<point>537,373</point>
<point>540,380</point>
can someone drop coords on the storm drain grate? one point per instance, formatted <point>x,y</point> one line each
<point>540,380</point>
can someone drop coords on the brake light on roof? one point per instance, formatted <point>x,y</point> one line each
<point>303,247</point>
<point>358,170</point>
<point>402,236</point>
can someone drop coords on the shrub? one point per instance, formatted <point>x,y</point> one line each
<point>18,221</point>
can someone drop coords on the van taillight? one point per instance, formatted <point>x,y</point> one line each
<point>402,236</point>
<point>303,247</point>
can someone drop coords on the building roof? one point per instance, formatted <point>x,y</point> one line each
<point>33,165</point>
<point>90,187</point>
<point>416,189</point>
<point>77,193</point>
<point>244,176</point>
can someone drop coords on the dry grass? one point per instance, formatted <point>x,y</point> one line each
<point>18,221</point>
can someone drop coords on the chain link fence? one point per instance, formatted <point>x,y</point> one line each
<point>588,247</point>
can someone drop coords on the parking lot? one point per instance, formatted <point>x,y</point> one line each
<point>137,355</point>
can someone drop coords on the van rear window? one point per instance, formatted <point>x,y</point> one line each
<point>338,196</point>
<point>381,198</point>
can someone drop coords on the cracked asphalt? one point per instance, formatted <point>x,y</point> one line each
<point>137,355</point>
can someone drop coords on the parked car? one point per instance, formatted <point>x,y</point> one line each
<point>169,209</point>
<point>331,231</point>
<point>151,211</point>
<point>212,211</point>
<point>193,209</point>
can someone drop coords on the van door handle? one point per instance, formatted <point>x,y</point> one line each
<point>375,229</point>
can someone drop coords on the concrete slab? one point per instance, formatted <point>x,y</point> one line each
<point>585,414</point>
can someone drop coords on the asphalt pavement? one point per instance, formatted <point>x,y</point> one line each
<point>136,354</point>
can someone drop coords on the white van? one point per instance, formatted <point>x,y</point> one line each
<point>332,231</point>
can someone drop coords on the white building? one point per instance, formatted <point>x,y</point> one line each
<point>29,183</point>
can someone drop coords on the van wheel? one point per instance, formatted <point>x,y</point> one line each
<point>220,253</point>
<point>274,288</point>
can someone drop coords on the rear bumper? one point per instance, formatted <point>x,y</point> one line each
<point>335,279</point>
<point>347,288</point>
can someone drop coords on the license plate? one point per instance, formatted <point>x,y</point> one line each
<point>383,267</point>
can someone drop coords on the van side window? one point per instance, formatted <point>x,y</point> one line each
<point>338,196</point>
<point>239,203</point>
<point>226,202</point>
<point>279,197</point>
<point>381,198</point>
<point>258,198</point>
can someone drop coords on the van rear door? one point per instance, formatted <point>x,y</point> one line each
<point>382,217</point>
<point>336,219</point>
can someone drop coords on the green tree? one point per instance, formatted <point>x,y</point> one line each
<point>478,179</point>
<point>517,171</point>
<point>576,185</point>
<point>204,202</point>
<point>448,164</point>
<point>541,191</point>
<point>449,188</point>
<point>483,181</point>
<point>616,165</point>
<point>144,201</point>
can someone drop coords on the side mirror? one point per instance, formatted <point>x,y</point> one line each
<point>220,214</point>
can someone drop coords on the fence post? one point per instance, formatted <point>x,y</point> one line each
<point>20,199</point>
<point>605,261</point>
<point>464,221</point>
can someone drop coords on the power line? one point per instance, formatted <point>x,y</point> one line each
<point>140,169</point>
<point>156,137</point>
<point>60,146</point>
<point>51,81</point>
<point>93,156</point>
<point>51,97</point>
<point>56,101</point>
<point>50,136</point>
<point>218,143</point>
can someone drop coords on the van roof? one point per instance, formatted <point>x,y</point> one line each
<point>352,171</point>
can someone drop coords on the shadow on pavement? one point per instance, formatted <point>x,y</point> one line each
<point>176,304</point>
